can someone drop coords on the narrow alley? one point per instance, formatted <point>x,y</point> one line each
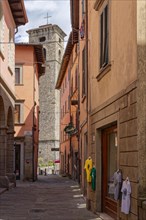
<point>50,198</point>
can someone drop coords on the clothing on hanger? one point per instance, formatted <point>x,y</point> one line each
<point>88,167</point>
<point>117,184</point>
<point>126,191</point>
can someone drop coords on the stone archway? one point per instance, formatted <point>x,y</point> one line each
<point>10,143</point>
<point>2,139</point>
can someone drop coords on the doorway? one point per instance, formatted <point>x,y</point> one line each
<point>109,166</point>
<point>17,161</point>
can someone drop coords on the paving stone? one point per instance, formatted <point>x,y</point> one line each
<point>50,198</point>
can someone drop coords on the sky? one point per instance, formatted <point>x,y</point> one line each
<point>37,10</point>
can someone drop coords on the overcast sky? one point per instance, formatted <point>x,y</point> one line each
<point>37,10</point>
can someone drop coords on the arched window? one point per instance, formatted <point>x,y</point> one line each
<point>59,55</point>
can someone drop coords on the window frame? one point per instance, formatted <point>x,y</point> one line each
<point>20,75</point>
<point>21,112</point>
<point>104,37</point>
<point>84,73</point>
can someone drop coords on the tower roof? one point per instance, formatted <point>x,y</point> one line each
<point>49,27</point>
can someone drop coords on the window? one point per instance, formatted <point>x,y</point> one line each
<point>65,108</point>
<point>84,69</point>
<point>69,73</point>
<point>76,78</point>
<point>71,88</point>
<point>83,6</point>
<point>104,38</point>
<point>59,55</point>
<point>18,113</point>
<point>18,75</point>
<point>42,39</point>
<point>68,102</point>
<point>44,50</point>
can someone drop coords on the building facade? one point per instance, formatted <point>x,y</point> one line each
<point>69,125</point>
<point>112,109</point>
<point>9,21</point>
<point>115,126</point>
<point>52,39</point>
<point>28,69</point>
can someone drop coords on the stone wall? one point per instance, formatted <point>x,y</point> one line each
<point>49,98</point>
<point>122,110</point>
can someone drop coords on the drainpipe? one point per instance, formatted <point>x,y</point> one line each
<point>87,66</point>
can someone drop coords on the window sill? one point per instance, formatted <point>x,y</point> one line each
<point>103,72</point>
<point>1,55</point>
<point>19,124</point>
<point>19,84</point>
<point>10,70</point>
<point>83,98</point>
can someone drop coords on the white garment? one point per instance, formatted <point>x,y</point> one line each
<point>126,191</point>
<point>117,183</point>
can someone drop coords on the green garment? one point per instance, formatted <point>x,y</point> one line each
<point>93,178</point>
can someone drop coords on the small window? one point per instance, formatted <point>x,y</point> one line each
<point>59,55</point>
<point>60,40</point>
<point>44,50</point>
<point>71,88</point>
<point>68,102</point>
<point>42,39</point>
<point>83,6</point>
<point>18,113</point>
<point>18,75</point>
<point>76,78</point>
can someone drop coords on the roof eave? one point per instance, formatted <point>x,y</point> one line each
<point>18,11</point>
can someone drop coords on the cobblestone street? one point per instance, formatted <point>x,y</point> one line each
<point>50,198</point>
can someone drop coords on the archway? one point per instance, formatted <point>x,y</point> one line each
<point>10,143</point>
<point>2,139</point>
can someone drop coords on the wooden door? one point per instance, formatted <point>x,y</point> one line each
<point>109,166</point>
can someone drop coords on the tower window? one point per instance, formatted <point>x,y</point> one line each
<point>42,39</point>
<point>44,53</point>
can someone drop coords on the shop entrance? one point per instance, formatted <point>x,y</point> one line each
<point>109,166</point>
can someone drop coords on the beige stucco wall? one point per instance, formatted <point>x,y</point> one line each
<point>122,42</point>
<point>25,57</point>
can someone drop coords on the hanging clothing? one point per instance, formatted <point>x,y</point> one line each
<point>117,184</point>
<point>126,191</point>
<point>93,178</point>
<point>88,167</point>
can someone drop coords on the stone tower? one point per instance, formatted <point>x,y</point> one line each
<point>52,38</point>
